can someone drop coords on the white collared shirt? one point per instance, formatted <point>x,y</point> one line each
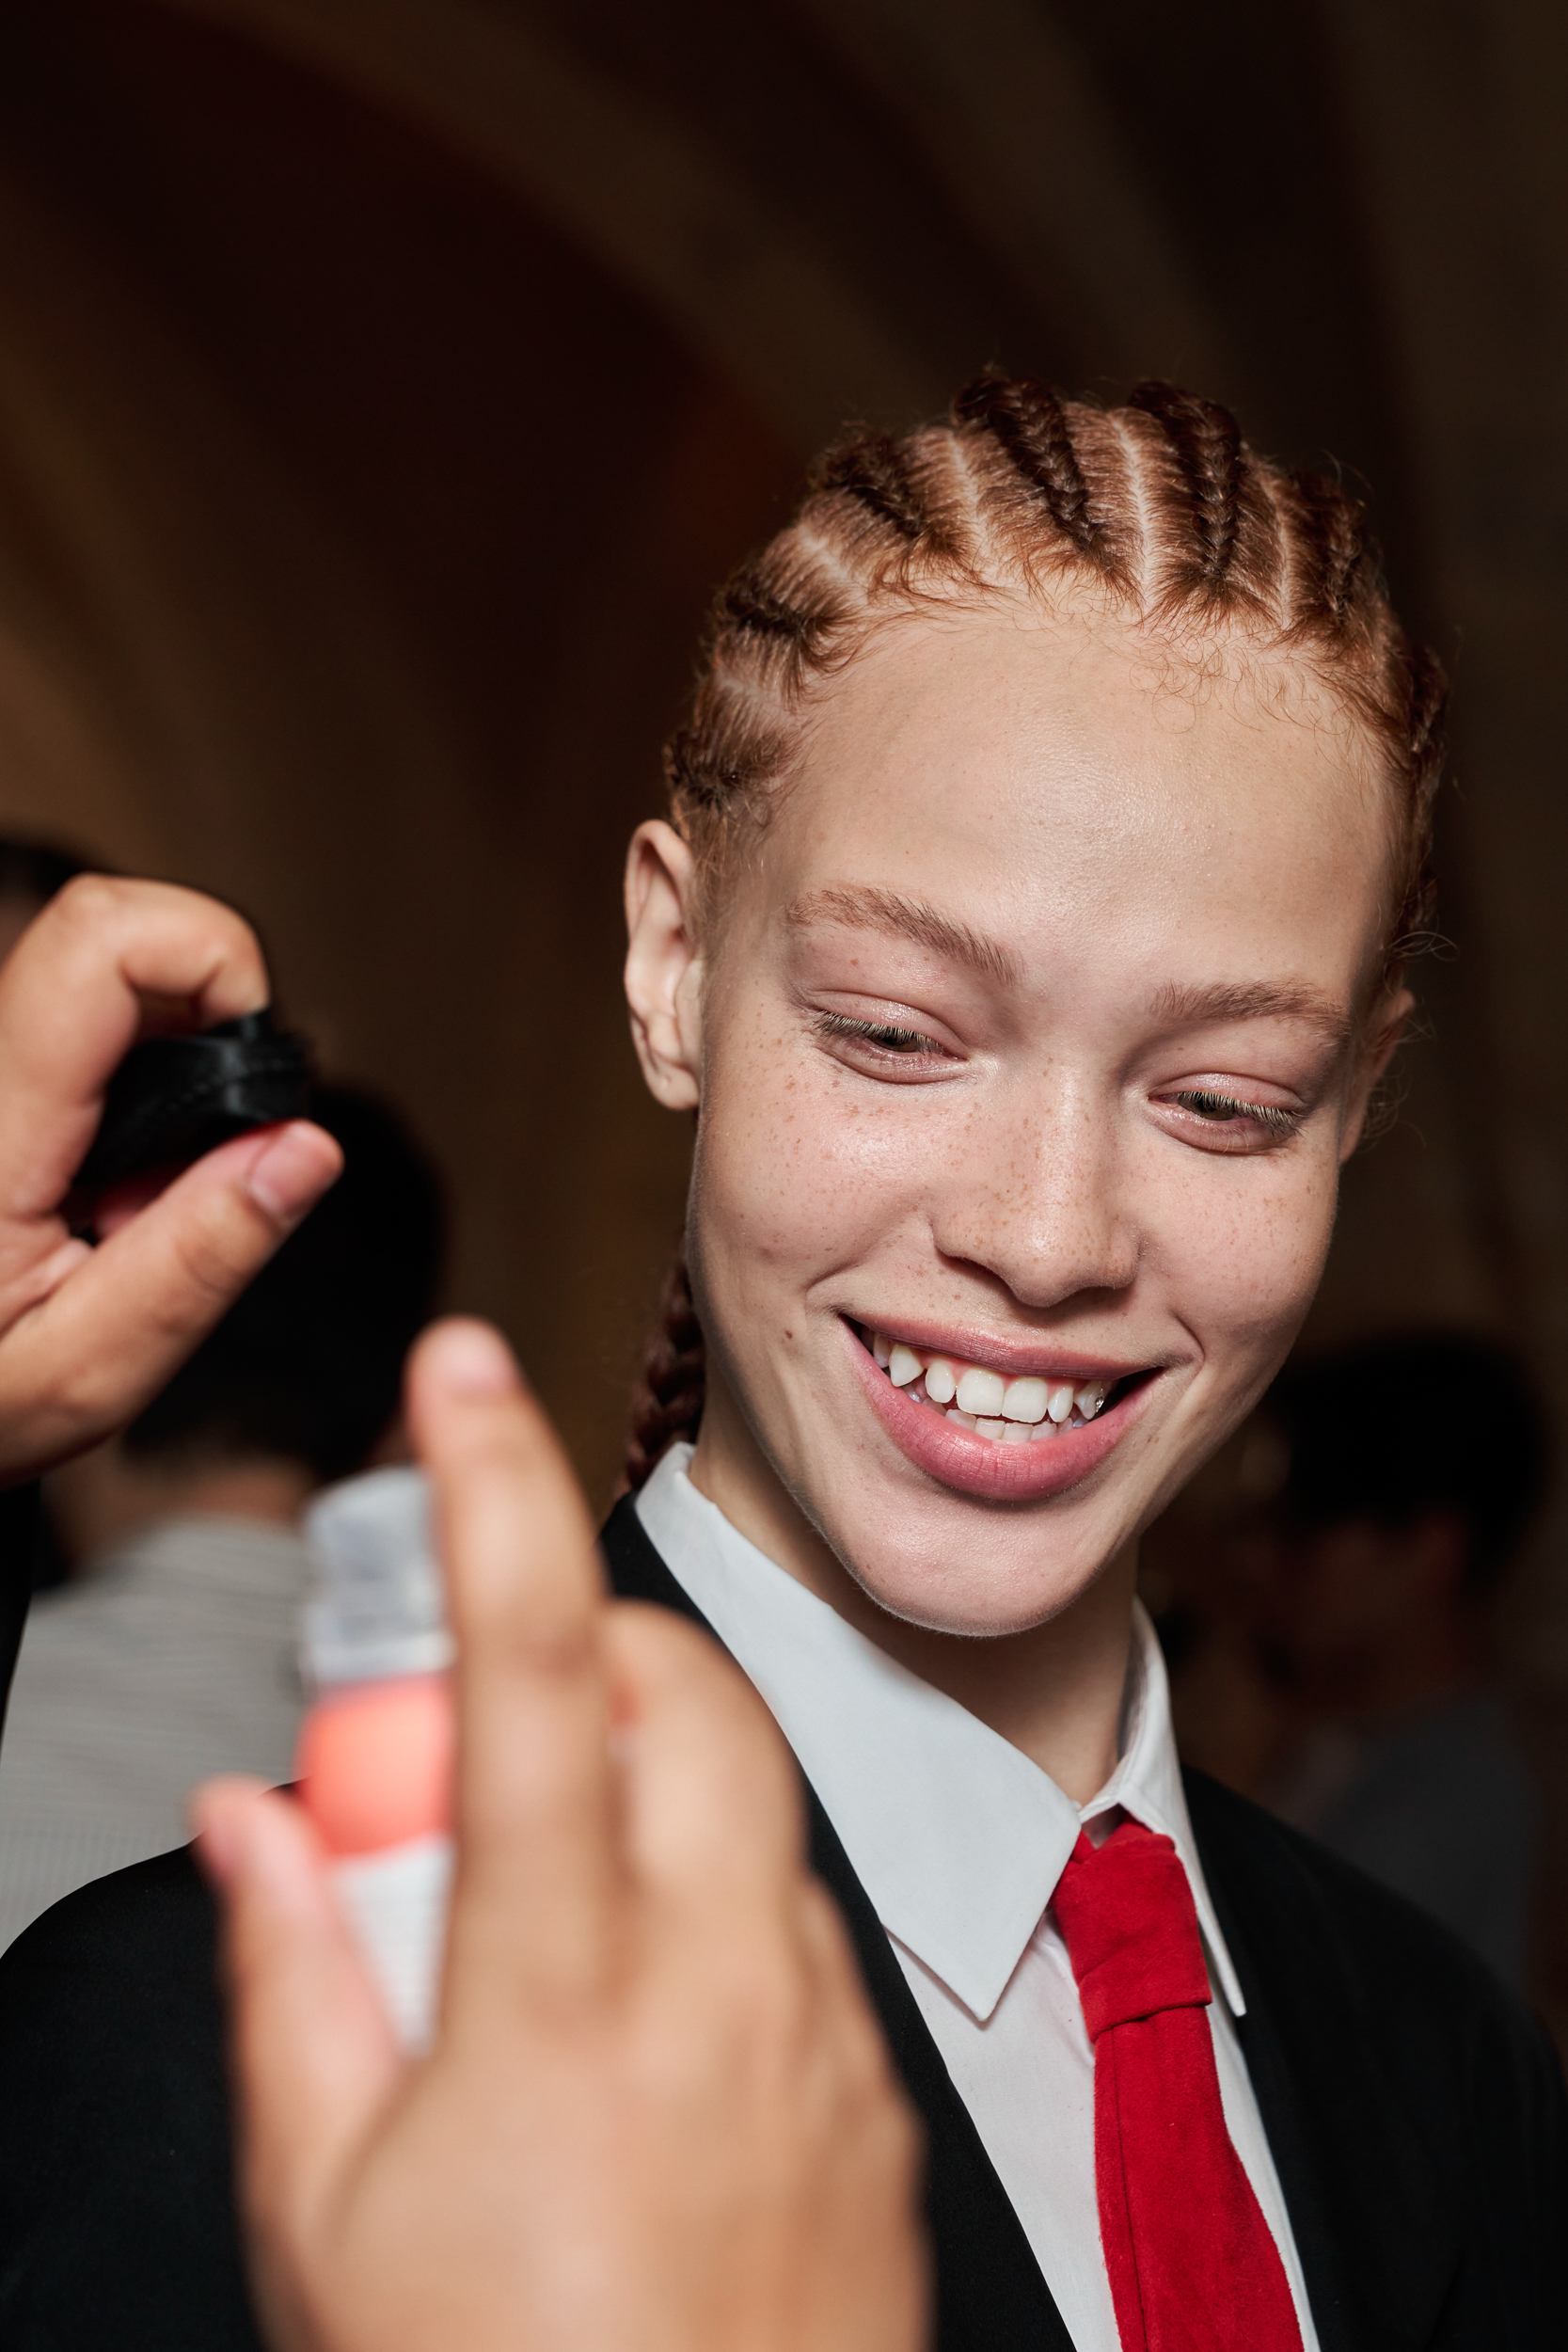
<point>959,1840</point>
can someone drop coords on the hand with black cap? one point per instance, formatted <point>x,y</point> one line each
<point>92,1326</point>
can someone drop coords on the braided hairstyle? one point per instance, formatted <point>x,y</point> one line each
<point>1157,512</point>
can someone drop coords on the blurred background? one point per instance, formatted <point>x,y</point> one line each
<point>385,383</point>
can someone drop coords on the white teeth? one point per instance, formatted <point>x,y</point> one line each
<point>981,1392</point>
<point>1009,1410</point>
<point>1025,1400</point>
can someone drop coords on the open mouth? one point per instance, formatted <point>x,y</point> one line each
<point>1033,1409</point>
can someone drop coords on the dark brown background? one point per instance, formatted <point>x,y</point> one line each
<point>384,382</point>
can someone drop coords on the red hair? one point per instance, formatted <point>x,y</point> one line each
<point>1158,510</point>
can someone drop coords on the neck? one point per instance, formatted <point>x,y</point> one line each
<point>1054,1691</point>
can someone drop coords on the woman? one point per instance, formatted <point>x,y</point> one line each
<point>1028,938</point>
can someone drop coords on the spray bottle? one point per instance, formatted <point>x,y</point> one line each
<point>375,1759</point>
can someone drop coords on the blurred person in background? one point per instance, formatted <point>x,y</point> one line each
<point>1412,1470</point>
<point>170,1652</point>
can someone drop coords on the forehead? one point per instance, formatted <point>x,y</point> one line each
<point>1063,782</point>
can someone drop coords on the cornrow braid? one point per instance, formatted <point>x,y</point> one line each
<point>874,468</point>
<point>1206,442</point>
<point>1426,742</point>
<point>667,1401</point>
<point>1029,421</point>
<point>1331,539</point>
<point>1158,506</point>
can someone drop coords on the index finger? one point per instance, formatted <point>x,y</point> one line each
<point>539,1871</point>
<point>71,999</point>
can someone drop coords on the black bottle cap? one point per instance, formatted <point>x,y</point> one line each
<point>174,1098</point>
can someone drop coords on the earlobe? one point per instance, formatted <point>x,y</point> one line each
<point>663,967</point>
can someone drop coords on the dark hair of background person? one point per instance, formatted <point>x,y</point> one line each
<point>308,1366</point>
<point>32,870</point>
<point>1395,1428</point>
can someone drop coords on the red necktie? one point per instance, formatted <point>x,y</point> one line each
<point>1192,2264</point>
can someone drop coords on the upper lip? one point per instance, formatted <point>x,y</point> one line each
<point>1023,1356</point>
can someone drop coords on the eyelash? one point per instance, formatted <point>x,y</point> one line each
<point>1204,1103</point>
<point>906,1043</point>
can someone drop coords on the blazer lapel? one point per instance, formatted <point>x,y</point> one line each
<point>1374,2225</point>
<point>989,2293</point>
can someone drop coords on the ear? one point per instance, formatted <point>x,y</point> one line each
<point>1386,1024</point>
<point>664,970</point>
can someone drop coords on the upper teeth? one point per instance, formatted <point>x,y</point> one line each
<point>982,1391</point>
<point>979,1398</point>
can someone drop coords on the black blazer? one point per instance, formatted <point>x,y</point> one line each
<point>1415,2113</point>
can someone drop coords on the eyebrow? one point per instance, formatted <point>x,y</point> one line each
<point>1291,1000</point>
<point>861,907</point>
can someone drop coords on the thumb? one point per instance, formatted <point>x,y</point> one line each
<point>123,1317</point>
<point>314,2055</point>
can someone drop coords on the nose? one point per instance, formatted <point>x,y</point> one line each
<point>1040,1199</point>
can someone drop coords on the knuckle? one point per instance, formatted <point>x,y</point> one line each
<point>87,898</point>
<point>89,909</point>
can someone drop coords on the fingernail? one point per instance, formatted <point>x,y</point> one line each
<point>473,1360</point>
<point>291,1175</point>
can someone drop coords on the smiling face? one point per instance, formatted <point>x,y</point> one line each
<point>1032,1037</point>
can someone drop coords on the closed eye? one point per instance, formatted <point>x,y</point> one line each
<point>883,1048</point>
<point>891,1040</point>
<point>1265,1120</point>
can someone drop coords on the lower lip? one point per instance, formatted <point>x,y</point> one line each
<point>989,1466</point>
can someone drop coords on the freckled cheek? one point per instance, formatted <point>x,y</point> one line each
<point>1249,1269</point>
<point>798,1161</point>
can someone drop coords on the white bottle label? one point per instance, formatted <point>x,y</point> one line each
<point>396,1900</point>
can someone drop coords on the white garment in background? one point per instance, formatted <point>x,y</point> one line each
<point>959,1841</point>
<point>173,1659</point>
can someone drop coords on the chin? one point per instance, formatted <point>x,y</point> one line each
<point>972,1572</point>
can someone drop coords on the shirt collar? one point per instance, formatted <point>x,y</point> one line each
<point>957,1836</point>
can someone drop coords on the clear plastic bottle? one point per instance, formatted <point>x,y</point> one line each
<point>375,1759</point>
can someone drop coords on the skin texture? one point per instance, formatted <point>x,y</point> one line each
<point>87,1336</point>
<point>659,2117</point>
<point>1125,831</point>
